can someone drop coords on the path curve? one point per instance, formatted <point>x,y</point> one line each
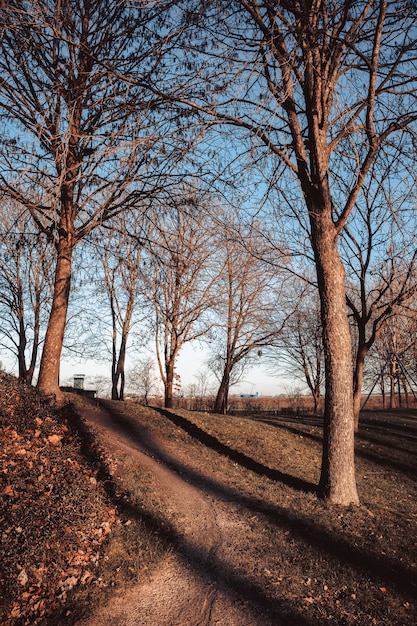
<point>185,590</point>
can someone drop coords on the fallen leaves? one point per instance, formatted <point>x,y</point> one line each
<point>51,526</point>
<point>55,439</point>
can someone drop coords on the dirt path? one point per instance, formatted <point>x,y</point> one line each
<point>188,589</point>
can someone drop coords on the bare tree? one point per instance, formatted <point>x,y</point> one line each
<point>120,257</point>
<point>81,139</point>
<point>378,250</point>
<point>202,388</point>
<point>247,318</point>
<point>301,346</point>
<point>144,379</point>
<point>178,278</point>
<point>392,361</point>
<point>312,87</point>
<point>26,262</point>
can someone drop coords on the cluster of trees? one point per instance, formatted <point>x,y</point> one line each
<point>116,120</point>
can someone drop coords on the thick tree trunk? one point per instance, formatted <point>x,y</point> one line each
<point>48,381</point>
<point>337,481</point>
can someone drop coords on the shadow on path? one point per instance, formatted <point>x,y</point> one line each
<point>269,611</point>
<point>327,545</point>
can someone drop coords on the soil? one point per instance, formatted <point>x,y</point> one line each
<point>189,518</point>
<point>188,588</point>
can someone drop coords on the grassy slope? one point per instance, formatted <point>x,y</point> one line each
<point>326,564</point>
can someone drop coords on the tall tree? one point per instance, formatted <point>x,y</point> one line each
<point>315,85</point>
<point>179,278</point>
<point>80,125</point>
<point>26,262</point>
<point>121,259</point>
<point>392,361</point>
<point>247,318</point>
<point>380,256</point>
<point>144,379</point>
<point>301,346</point>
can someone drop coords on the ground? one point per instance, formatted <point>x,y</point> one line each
<point>194,584</point>
<point>193,519</point>
<point>251,544</point>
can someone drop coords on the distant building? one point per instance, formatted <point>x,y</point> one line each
<point>78,387</point>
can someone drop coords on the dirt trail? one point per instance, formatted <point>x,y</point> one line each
<point>188,589</point>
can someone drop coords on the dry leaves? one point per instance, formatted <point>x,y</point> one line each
<point>54,514</point>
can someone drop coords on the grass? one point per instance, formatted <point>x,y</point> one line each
<point>328,564</point>
<point>308,562</point>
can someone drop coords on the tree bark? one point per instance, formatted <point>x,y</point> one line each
<point>337,481</point>
<point>118,372</point>
<point>21,351</point>
<point>220,404</point>
<point>48,381</point>
<point>169,385</point>
<point>316,400</point>
<point>357,384</point>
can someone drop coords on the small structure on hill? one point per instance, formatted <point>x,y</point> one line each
<point>78,387</point>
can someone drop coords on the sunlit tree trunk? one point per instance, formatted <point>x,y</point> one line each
<point>222,397</point>
<point>118,371</point>
<point>48,381</point>
<point>169,384</point>
<point>337,481</point>
<point>358,383</point>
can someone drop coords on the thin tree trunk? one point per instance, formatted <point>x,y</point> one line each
<point>169,385</point>
<point>21,356</point>
<point>392,384</point>
<point>357,384</point>
<point>48,381</point>
<point>34,355</point>
<point>337,481</point>
<point>118,372</point>
<point>220,404</point>
<point>316,400</point>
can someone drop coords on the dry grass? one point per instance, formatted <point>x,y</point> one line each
<point>325,564</point>
<point>309,563</point>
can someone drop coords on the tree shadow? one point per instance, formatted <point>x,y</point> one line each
<point>343,552</point>
<point>385,438</point>
<point>234,455</point>
<point>292,429</point>
<point>378,566</point>
<point>212,571</point>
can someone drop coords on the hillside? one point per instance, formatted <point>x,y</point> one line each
<point>56,511</point>
<point>176,517</point>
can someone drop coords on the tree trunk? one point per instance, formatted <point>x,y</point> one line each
<point>35,347</point>
<point>337,481</point>
<point>392,374</point>
<point>48,381</point>
<point>169,385</point>
<point>357,384</point>
<point>118,372</point>
<point>316,400</point>
<point>222,397</point>
<point>21,350</point>
<point>220,402</point>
